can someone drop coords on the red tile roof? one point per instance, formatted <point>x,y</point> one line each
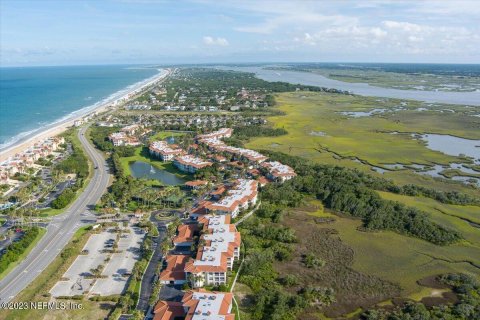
<point>175,267</point>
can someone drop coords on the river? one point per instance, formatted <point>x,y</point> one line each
<point>363,89</point>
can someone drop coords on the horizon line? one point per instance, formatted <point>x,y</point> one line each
<point>227,63</point>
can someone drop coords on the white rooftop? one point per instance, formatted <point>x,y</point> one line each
<point>192,160</point>
<point>220,238</point>
<point>239,193</point>
<point>209,305</point>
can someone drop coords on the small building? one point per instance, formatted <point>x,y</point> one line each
<point>186,234</point>
<point>174,271</point>
<point>195,184</point>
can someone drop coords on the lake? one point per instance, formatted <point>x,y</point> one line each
<point>145,170</point>
<point>363,89</point>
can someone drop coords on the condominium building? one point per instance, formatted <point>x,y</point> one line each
<point>164,151</point>
<point>197,304</point>
<point>278,172</point>
<point>219,247</point>
<point>241,196</point>
<point>219,134</point>
<point>191,164</point>
<point>131,129</point>
<point>122,139</point>
<point>214,143</point>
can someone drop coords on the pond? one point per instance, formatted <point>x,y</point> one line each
<point>142,169</point>
<point>453,146</point>
<point>359,114</point>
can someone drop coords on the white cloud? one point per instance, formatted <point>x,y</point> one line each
<point>211,41</point>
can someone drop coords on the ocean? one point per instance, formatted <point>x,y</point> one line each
<point>34,97</point>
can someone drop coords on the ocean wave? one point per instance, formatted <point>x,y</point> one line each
<point>82,111</point>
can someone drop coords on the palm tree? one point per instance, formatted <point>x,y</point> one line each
<point>10,233</point>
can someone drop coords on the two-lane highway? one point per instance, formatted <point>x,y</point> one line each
<point>61,228</point>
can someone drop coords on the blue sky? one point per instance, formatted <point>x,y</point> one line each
<point>147,31</point>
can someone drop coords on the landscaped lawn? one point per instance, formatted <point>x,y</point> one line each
<point>141,154</point>
<point>161,135</point>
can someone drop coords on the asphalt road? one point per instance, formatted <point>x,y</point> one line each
<point>60,230</point>
<point>149,275</point>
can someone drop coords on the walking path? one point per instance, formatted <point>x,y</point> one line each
<point>248,214</point>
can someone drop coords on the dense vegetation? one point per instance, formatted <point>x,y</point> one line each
<point>244,133</point>
<point>381,184</point>
<point>212,80</point>
<point>76,163</point>
<point>264,243</point>
<point>120,190</point>
<point>351,192</point>
<point>17,248</point>
<point>248,132</point>
<point>63,199</point>
<point>99,136</point>
<point>467,290</point>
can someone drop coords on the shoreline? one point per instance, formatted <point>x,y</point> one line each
<point>62,125</point>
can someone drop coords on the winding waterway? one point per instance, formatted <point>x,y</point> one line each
<point>363,89</point>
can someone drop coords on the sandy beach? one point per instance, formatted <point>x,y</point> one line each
<point>61,126</point>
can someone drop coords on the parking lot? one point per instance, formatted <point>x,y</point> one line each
<point>117,266</point>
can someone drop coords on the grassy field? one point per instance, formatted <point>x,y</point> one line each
<point>38,290</point>
<point>404,260</point>
<point>385,256</point>
<point>161,135</point>
<point>317,131</point>
<point>41,232</point>
<point>141,154</point>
